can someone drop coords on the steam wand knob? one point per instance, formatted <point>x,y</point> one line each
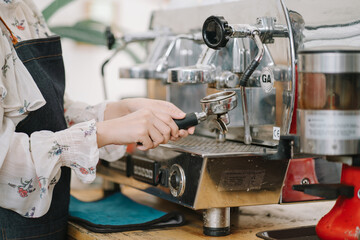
<point>216,32</point>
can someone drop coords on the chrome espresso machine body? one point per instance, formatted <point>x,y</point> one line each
<point>240,155</point>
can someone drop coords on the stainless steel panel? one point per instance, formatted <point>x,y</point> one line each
<point>186,97</point>
<point>330,60</point>
<point>240,181</point>
<point>329,132</point>
<point>262,108</point>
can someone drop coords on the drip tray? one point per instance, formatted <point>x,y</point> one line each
<point>300,233</point>
<point>206,146</point>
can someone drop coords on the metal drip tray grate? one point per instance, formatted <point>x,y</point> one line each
<point>209,146</point>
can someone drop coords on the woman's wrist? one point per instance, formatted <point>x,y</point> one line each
<point>101,135</point>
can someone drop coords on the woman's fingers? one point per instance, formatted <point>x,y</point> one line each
<point>167,119</point>
<point>157,136</point>
<point>191,130</point>
<point>145,143</point>
<point>154,130</point>
<point>175,132</point>
<point>172,110</point>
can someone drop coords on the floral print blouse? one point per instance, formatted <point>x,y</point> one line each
<point>30,166</point>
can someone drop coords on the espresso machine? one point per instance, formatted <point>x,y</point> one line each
<point>235,76</point>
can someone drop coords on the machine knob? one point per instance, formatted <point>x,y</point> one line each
<point>177,180</point>
<point>216,32</point>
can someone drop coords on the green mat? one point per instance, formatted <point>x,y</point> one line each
<point>118,213</point>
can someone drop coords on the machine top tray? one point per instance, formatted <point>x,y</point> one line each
<point>208,147</point>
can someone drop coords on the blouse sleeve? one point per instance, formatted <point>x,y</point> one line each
<point>30,166</point>
<point>76,112</point>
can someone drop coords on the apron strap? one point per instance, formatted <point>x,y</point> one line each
<point>13,38</point>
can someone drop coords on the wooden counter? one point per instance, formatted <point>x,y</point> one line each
<point>245,223</point>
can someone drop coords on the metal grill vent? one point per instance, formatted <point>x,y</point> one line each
<point>205,145</point>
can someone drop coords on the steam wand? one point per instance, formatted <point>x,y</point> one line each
<point>243,83</point>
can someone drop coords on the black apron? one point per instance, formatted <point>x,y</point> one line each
<point>43,59</point>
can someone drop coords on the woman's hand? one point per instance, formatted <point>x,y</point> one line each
<point>142,126</point>
<point>165,111</point>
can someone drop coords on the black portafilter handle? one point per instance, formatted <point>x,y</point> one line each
<point>189,120</point>
<point>216,32</point>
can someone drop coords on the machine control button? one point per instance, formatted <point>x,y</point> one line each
<point>177,180</point>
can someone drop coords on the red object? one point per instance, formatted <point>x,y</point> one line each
<point>300,171</point>
<point>130,148</point>
<point>343,221</point>
<point>293,120</point>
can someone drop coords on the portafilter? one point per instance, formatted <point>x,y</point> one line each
<point>214,104</point>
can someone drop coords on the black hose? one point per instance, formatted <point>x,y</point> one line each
<point>249,70</point>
